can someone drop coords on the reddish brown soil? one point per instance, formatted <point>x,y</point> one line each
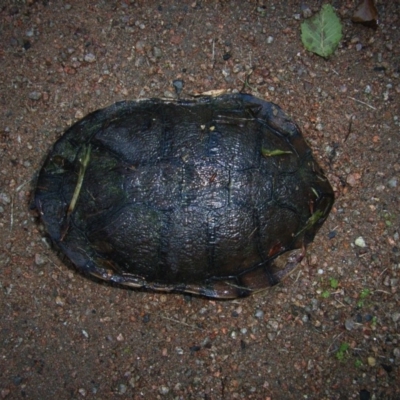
<point>331,331</point>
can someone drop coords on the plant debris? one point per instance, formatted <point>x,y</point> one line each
<point>366,14</point>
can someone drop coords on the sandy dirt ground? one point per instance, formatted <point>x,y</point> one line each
<point>330,331</point>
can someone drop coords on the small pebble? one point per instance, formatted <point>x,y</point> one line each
<point>352,179</point>
<point>392,182</point>
<point>270,39</point>
<point>178,85</point>
<point>271,336</point>
<point>157,53</point>
<point>314,304</point>
<point>59,301</point>
<point>17,380</point>
<point>35,95</point>
<point>79,114</point>
<point>163,390</point>
<point>179,350</point>
<point>237,68</point>
<point>349,324</point>
<point>122,389</point>
<point>146,318</point>
<point>168,94</point>
<point>225,72</point>
<point>371,361</point>
<point>5,198</point>
<point>132,382</point>
<point>39,259</point>
<point>367,89</point>
<point>360,242</point>
<point>273,324</point>
<point>332,234</point>
<point>140,46</point>
<point>90,58</point>
<point>306,11</point>
<point>27,45</point>
<point>386,95</point>
<point>368,317</point>
<point>259,314</point>
<point>82,392</point>
<point>396,316</point>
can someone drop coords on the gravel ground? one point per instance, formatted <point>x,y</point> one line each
<point>330,331</point>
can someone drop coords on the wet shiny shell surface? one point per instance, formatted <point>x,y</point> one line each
<point>199,196</point>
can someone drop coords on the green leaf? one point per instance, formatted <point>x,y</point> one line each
<point>341,353</point>
<point>358,363</point>
<point>273,153</point>
<point>334,283</point>
<point>364,293</point>
<point>325,294</point>
<point>321,33</point>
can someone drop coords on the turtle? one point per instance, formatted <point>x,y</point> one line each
<point>217,196</point>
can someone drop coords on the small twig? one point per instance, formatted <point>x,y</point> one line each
<point>12,214</point>
<point>334,340</point>
<point>362,255</point>
<point>182,323</point>
<point>383,291</point>
<point>22,185</point>
<point>359,101</point>
<point>349,129</point>
<point>246,82</point>
<point>343,305</point>
<point>383,271</point>
<point>298,276</point>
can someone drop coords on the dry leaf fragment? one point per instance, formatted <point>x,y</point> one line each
<point>366,13</point>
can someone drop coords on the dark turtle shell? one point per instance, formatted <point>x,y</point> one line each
<point>197,196</point>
